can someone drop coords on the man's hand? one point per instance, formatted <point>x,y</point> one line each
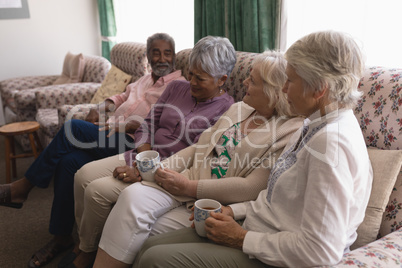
<point>112,127</point>
<point>224,230</point>
<point>127,174</point>
<point>131,126</point>
<point>92,116</point>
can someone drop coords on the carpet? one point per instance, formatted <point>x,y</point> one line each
<point>24,231</point>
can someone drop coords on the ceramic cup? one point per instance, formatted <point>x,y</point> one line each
<point>202,210</point>
<point>147,163</point>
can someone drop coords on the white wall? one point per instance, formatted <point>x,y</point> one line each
<point>37,46</point>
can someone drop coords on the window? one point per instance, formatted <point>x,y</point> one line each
<point>136,20</point>
<point>374,24</point>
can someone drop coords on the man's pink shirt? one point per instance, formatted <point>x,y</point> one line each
<point>136,102</point>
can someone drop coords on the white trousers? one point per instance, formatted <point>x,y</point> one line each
<point>133,217</point>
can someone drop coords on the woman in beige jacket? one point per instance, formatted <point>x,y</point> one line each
<point>230,163</point>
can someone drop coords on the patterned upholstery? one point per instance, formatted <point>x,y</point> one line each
<point>182,61</point>
<point>379,107</point>
<point>19,94</point>
<point>381,123</point>
<point>96,69</point>
<point>65,94</point>
<point>9,87</point>
<point>385,252</point>
<point>129,57</point>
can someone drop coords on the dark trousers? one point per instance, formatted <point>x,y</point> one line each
<point>78,142</point>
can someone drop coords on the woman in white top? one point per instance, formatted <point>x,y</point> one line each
<point>318,189</point>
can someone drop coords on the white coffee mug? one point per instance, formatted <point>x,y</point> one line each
<point>202,210</point>
<point>147,163</point>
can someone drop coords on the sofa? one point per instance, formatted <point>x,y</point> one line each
<point>379,242</point>
<point>18,94</point>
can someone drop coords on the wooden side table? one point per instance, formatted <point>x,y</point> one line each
<point>13,129</point>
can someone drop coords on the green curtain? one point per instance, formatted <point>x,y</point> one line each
<point>251,25</point>
<point>107,25</point>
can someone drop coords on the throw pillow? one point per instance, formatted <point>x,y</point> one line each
<point>73,69</point>
<point>115,83</point>
<point>386,166</point>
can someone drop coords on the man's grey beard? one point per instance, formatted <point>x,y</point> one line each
<point>162,72</point>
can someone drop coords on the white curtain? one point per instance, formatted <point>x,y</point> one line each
<point>374,24</point>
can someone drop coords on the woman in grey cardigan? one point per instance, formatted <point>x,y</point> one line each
<point>229,163</point>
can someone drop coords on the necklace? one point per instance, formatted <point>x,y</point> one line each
<point>257,124</point>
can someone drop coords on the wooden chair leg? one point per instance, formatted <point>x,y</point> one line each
<point>38,144</point>
<point>33,146</point>
<point>12,157</point>
<point>8,159</point>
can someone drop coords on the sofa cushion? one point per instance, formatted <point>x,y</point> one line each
<point>386,166</point>
<point>385,252</point>
<point>115,83</point>
<point>378,109</point>
<point>392,218</point>
<point>73,69</point>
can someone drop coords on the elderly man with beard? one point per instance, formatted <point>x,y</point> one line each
<point>79,142</point>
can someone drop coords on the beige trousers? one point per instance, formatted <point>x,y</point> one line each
<point>95,193</point>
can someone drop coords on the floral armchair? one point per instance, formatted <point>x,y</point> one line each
<point>19,99</point>
<point>55,108</point>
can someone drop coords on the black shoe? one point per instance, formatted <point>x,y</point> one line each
<point>5,197</point>
<point>67,260</point>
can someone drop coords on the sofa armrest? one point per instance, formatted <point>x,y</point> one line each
<point>8,87</point>
<point>384,252</point>
<point>65,94</point>
<point>67,112</point>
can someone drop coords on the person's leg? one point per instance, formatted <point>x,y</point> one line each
<point>62,217</point>
<point>131,220</point>
<point>175,219</point>
<point>72,157</point>
<point>62,212</point>
<point>83,177</point>
<point>100,196</point>
<point>87,174</point>
<point>184,248</point>
<point>42,169</point>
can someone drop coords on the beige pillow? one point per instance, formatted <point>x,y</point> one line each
<point>386,166</point>
<point>73,69</point>
<point>115,83</point>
